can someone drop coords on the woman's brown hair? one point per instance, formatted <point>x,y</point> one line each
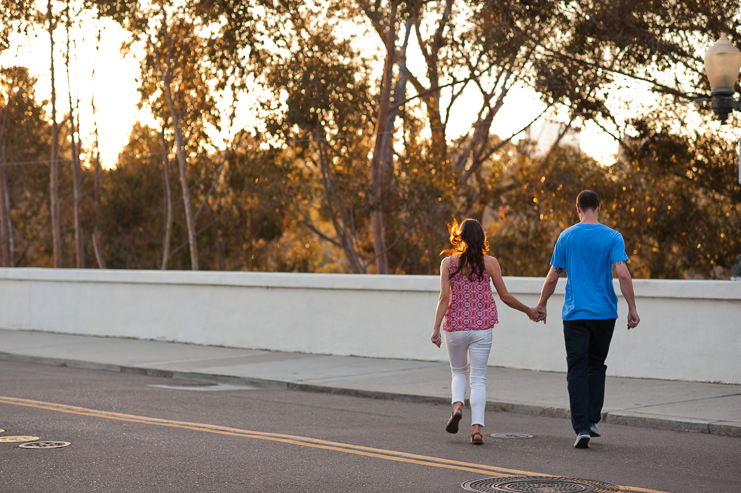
<point>469,240</point>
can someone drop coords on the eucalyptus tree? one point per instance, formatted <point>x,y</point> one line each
<point>97,250</point>
<point>179,83</point>
<point>323,86</point>
<point>76,144</point>
<point>8,95</point>
<point>56,220</point>
<point>16,17</point>
<point>24,149</point>
<point>674,164</point>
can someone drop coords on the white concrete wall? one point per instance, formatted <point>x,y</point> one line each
<point>690,330</point>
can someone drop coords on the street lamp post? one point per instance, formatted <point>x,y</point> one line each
<point>722,63</point>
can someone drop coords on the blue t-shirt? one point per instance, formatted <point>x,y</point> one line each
<point>587,252</point>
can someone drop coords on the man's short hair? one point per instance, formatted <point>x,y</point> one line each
<point>587,200</point>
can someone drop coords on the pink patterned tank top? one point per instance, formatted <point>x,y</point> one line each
<point>471,305</point>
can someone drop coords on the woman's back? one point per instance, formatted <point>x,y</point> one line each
<point>471,305</point>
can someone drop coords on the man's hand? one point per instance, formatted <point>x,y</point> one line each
<point>633,318</point>
<point>542,313</point>
<point>549,286</point>
<point>626,287</point>
<point>436,338</point>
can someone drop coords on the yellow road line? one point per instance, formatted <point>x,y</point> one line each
<point>291,439</point>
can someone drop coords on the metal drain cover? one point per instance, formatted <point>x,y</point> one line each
<point>510,435</point>
<point>37,445</point>
<point>16,439</point>
<point>540,484</point>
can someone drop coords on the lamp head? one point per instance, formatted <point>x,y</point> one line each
<point>722,63</point>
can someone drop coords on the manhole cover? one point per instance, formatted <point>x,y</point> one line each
<point>510,435</point>
<point>540,484</point>
<point>37,445</point>
<point>16,439</point>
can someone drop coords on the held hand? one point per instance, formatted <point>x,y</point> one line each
<point>542,313</point>
<point>533,314</point>
<point>633,318</point>
<point>436,338</point>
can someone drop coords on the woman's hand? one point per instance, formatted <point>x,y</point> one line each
<point>536,314</point>
<point>436,337</point>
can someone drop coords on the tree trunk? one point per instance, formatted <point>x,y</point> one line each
<point>182,164</point>
<point>96,204</point>
<point>343,227</point>
<point>54,165</point>
<point>9,220</point>
<point>4,211</point>
<point>168,204</point>
<point>190,223</point>
<point>76,167</point>
<point>220,253</point>
<point>6,223</point>
<point>382,128</point>
<point>96,186</point>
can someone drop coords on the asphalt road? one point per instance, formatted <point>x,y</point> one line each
<point>128,436</point>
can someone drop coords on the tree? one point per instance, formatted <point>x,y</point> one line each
<point>328,121</point>
<point>15,17</point>
<point>6,226</point>
<point>176,73</point>
<point>680,204</point>
<point>76,147</point>
<point>54,163</point>
<point>132,213</point>
<point>167,241</point>
<point>96,183</point>
<point>25,149</point>
<point>352,165</point>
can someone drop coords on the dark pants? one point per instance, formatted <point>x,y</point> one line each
<point>587,343</point>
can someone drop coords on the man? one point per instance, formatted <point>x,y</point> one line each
<point>587,251</point>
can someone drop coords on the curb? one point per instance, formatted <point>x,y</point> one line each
<point>612,417</point>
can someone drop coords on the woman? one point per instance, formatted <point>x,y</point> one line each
<point>470,312</point>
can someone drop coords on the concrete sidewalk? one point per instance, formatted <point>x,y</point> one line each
<point>680,406</point>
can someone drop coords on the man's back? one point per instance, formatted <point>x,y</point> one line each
<point>587,252</point>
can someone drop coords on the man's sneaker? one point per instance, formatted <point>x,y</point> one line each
<point>593,430</point>
<point>582,441</point>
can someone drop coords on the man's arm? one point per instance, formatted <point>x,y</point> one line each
<point>549,286</point>
<point>626,287</point>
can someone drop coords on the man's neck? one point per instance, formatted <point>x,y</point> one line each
<point>589,217</point>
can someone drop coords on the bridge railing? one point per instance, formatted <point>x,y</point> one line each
<point>690,330</point>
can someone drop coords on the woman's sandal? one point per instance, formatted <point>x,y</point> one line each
<point>452,426</point>
<point>477,441</point>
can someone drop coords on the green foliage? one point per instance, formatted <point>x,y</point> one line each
<point>682,205</point>
<point>26,140</point>
<point>533,200</point>
<point>132,210</point>
<point>297,194</point>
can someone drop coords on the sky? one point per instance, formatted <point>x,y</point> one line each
<point>114,86</point>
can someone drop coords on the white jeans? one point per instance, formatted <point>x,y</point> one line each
<point>477,344</point>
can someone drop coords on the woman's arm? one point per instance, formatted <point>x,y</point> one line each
<point>442,301</point>
<point>495,272</point>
